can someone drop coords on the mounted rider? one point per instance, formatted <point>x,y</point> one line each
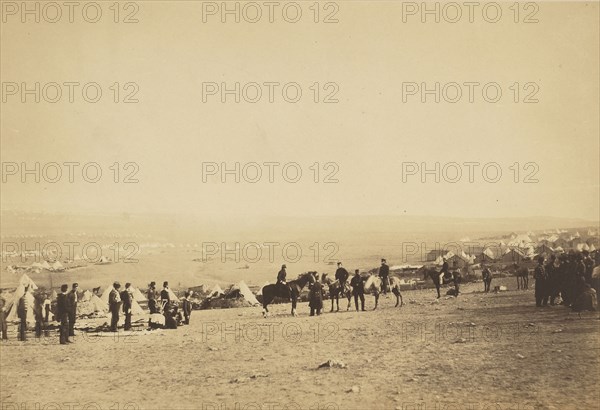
<point>281,278</point>
<point>342,275</point>
<point>384,274</point>
<point>444,272</point>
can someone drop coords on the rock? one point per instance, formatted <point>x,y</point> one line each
<point>332,363</point>
<point>520,356</point>
<point>213,349</point>
<point>557,331</point>
<point>354,389</point>
<point>461,340</point>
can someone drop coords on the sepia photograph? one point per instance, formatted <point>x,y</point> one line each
<point>299,205</point>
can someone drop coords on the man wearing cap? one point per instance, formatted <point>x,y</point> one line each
<point>165,296</point>
<point>3,326</point>
<point>127,298</point>
<point>114,305</point>
<point>152,296</point>
<point>341,275</point>
<point>62,314</point>
<point>282,275</point>
<point>384,274</point>
<point>540,276</point>
<point>358,290</point>
<point>72,308</point>
<point>22,308</point>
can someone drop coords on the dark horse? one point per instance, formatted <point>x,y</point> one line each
<point>522,274</point>
<point>335,290</point>
<point>290,291</point>
<point>435,277</point>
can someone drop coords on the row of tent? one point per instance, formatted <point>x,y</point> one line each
<point>90,302</point>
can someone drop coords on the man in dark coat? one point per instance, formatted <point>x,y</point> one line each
<point>38,313</point>
<point>487,278</point>
<point>72,308</point>
<point>552,282</point>
<point>152,297</point>
<point>22,308</point>
<point>358,290</point>
<point>341,275</point>
<point>187,308</point>
<point>282,279</point>
<point>127,298</point>
<point>282,275</point>
<point>315,298</point>
<point>541,278</point>
<point>3,326</point>
<point>384,274</point>
<point>62,314</point>
<point>114,305</point>
<point>165,296</point>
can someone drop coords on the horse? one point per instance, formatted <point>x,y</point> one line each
<point>335,289</point>
<point>522,274</point>
<point>290,291</point>
<point>435,277</point>
<point>373,285</point>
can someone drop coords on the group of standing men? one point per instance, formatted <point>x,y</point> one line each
<point>568,275</point>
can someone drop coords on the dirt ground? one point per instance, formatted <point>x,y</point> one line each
<point>495,351</point>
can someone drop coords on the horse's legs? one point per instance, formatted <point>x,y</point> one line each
<point>337,302</point>
<point>331,303</point>
<point>349,299</point>
<point>437,287</point>
<point>376,294</point>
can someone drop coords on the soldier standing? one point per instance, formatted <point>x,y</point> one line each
<point>62,313</point>
<point>126,298</point>
<point>358,290</point>
<point>3,326</point>
<point>315,296</point>
<point>114,305</point>
<point>22,308</point>
<point>38,313</point>
<point>187,308</point>
<point>72,308</point>
<point>541,292</point>
<point>151,295</point>
<point>165,297</point>
<point>551,274</point>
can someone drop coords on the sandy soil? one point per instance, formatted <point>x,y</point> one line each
<point>464,353</point>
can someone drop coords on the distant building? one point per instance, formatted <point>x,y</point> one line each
<point>513,256</point>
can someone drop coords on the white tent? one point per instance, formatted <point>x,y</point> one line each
<point>57,266</point>
<point>216,291</point>
<point>260,290</point>
<point>106,294</point>
<point>489,253</point>
<point>137,295</point>
<point>172,295</point>
<point>46,265</point>
<point>23,282</point>
<point>247,293</point>
<point>98,305</point>
<point>87,296</point>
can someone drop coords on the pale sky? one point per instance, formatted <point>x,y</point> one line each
<point>369,133</point>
